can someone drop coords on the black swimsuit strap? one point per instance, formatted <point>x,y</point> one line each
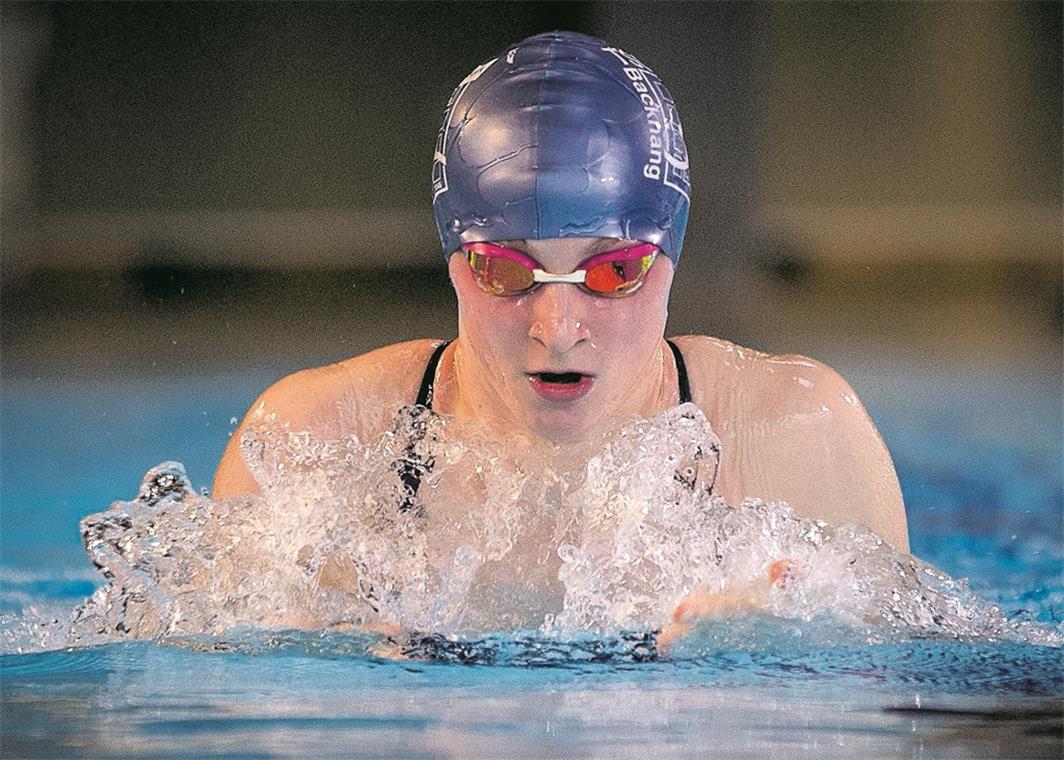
<point>424,396</point>
<point>411,466</point>
<point>681,373</point>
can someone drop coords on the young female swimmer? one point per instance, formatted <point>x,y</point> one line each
<point>561,195</point>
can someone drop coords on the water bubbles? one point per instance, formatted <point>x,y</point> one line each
<point>497,536</point>
<point>167,479</point>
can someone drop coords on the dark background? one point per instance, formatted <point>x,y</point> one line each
<point>256,176</point>
<point>229,191</point>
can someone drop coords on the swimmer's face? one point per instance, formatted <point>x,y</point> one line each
<point>560,362</point>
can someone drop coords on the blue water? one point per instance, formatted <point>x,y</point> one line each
<point>979,457</point>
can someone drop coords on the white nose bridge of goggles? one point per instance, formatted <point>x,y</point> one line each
<point>578,277</point>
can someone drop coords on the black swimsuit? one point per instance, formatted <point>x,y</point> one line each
<point>412,467</point>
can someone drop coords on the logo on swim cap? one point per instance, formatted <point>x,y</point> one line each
<point>561,136</point>
<point>663,123</point>
<point>439,163</point>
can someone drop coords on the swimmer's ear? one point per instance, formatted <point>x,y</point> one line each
<point>456,258</point>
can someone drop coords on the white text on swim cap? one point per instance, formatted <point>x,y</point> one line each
<point>667,155</point>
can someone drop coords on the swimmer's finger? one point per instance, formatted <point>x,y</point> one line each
<point>783,573</point>
<point>669,635</point>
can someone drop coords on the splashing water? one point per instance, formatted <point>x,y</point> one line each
<point>499,537</point>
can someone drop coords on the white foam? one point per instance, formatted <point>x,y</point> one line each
<point>501,537</point>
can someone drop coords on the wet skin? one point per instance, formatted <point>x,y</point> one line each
<point>790,428</point>
<point>506,342</point>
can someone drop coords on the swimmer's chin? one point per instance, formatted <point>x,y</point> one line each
<point>572,426</point>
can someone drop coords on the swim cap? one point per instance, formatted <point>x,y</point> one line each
<point>561,136</point>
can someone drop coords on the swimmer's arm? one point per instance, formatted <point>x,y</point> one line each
<point>232,476</point>
<point>793,430</point>
<point>296,400</point>
<point>356,397</point>
<point>829,461</point>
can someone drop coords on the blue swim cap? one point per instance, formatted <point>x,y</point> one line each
<point>561,136</point>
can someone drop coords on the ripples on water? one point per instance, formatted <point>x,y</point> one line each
<point>311,696</point>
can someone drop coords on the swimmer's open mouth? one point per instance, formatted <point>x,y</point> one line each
<point>561,386</point>
<point>570,378</point>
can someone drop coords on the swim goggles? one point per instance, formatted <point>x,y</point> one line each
<point>505,272</point>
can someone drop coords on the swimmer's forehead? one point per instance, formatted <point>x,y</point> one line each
<point>595,245</point>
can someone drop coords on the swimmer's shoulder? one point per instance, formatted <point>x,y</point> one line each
<point>382,380</point>
<point>355,397</point>
<point>723,374</point>
<point>792,428</point>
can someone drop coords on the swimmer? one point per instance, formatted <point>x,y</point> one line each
<point>561,193</point>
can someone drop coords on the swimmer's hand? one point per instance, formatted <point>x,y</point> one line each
<point>705,605</point>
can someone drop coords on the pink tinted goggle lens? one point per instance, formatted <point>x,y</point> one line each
<point>504,271</point>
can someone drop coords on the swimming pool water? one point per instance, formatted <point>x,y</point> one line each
<point>148,701</point>
<point>979,460</point>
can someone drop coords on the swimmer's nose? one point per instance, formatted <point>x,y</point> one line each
<point>557,317</point>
